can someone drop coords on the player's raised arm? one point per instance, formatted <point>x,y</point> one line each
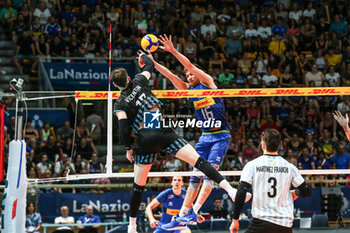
<point>343,122</point>
<point>146,64</point>
<point>204,77</point>
<point>178,83</point>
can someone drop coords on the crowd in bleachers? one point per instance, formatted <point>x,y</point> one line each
<point>241,44</point>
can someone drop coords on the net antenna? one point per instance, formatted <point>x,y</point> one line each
<point>109,162</point>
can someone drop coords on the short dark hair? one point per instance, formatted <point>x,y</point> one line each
<point>217,199</point>
<point>120,77</point>
<point>272,138</point>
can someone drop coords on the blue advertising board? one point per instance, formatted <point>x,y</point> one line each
<point>113,205</point>
<point>56,117</point>
<point>82,76</point>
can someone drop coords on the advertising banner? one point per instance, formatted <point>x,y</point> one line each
<point>82,76</point>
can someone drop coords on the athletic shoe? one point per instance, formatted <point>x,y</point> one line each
<point>132,229</point>
<point>180,223</point>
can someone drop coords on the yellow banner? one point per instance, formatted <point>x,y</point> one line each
<point>263,92</point>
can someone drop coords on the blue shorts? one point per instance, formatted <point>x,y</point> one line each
<point>213,146</point>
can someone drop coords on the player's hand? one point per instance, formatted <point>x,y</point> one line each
<point>140,60</point>
<point>129,156</point>
<point>234,226</point>
<point>294,195</point>
<point>343,121</point>
<point>248,196</point>
<point>200,219</point>
<point>153,223</point>
<point>167,43</point>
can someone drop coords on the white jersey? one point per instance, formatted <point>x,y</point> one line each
<point>271,178</point>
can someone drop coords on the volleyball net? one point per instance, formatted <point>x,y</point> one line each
<point>249,111</point>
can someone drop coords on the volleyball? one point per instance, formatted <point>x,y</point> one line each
<point>150,43</point>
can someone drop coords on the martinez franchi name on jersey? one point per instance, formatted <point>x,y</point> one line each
<point>272,169</point>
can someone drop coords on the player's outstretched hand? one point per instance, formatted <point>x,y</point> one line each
<point>294,195</point>
<point>140,60</point>
<point>167,43</point>
<point>234,226</point>
<point>129,156</point>
<point>343,121</point>
<point>200,219</point>
<point>153,223</point>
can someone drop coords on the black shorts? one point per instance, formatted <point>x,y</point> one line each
<point>261,226</point>
<point>152,141</point>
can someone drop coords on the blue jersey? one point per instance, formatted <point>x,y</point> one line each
<point>207,108</point>
<point>171,204</point>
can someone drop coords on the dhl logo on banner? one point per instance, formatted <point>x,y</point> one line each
<point>266,92</point>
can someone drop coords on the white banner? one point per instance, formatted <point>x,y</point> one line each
<point>14,203</point>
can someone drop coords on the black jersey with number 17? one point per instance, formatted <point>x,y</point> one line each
<point>136,99</point>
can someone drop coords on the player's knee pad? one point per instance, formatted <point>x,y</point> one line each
<point>138,188</point>
<point>209,183</point>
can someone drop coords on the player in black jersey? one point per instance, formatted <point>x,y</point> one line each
<point>135,100</point>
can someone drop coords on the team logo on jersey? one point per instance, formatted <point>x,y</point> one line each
<point>203,103</point>
<point>152,120</point>
<point>170,204</point>
<point>171,196</point>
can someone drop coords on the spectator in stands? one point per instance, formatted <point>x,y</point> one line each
<point>225,79</point>
<point>42,46</point>
<point>62,165</point>
<point>335,43</point>
<point>8,15</point>
<point>309,12</point>
<point>344,105</point>
<point>338,26</point>
<point>42,166</point>
<point>295,13</point>
<point>19,26</point>
<point>64,219</point>
<point>346,76</point>
<point>264,33</point>
<point>89,221</point>
<point>43,13</point>
<point>53,29</point>
<point>279,28</point>
<point>233,47</point>
<point>277,48</point>
<point>269,123</point>
<point>85,150</point>
<point>51,149</point>
<point>305,160</point>
<point>30,132</point>
<point>218,212</point>
<point>79,164</point>
<point>326,143</point>
<point>254,79</point>
<point>25,51</point>
<point>292,126</point>
<point>269,79</point>
<point>208,28</point>
<point>64,132</point>
<point>333,59</point>
<point>341,160</point>
<point>314,75</point>
<point>95,124</point>
<point>333,77</point>
<point>197,15</point>
<point>234,27</point>
<point>33,219</point>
